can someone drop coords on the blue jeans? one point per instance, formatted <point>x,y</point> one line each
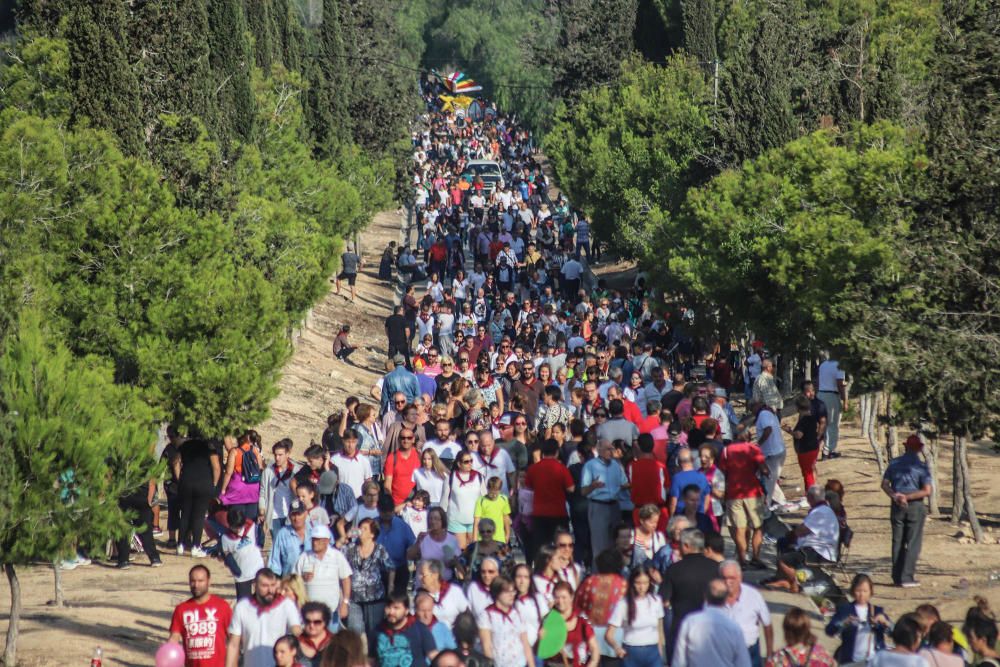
<point>642,656</point>
<point>755,660</point>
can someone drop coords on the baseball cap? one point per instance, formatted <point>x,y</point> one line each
<point>399,359</point>
<point>296,507</point>
<point>327,482</point>
<point>321,532</point>
<point>720,392</point>
<point>506,420</point>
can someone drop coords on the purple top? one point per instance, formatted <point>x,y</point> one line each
<point>239,492</point>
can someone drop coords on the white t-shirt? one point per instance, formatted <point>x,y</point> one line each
<point>425,327</point>
<point>258,630</point>
<point>447,322</point>
<point>887,658</point>
<point>864,638</point>
<point>774,444</point>
<point>824,532</point>
<point>448,606</point>
<point>432,483</point>
<point>500,465</point>
<point>415,519</point>
<point>327,574</point>
<point>645,629</point>
<point>505,630</point>
<point>532,611</point>
<point>462,497</point>
<point>245,552</point>
<point>829,373</point>
<point>571,270</point>
<point>749,611</point>
<point>444,450</point>
<point>354,471</point>
<point>479,598</point>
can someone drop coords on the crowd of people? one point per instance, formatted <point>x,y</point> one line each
<point>544,451</point>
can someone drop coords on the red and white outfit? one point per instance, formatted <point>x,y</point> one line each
<point>260,627</point>
<point>479,598</point>
<point>577,644</point>
<point>532,609</point>
<point>449,602</point>
<point>497,464</point>
<point>545,586</point>
<point>572,574</point>
<point>354,470</point>
<point>202,628</point>
<point>506,629</point>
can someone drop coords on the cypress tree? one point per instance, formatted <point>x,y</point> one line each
<point>171,83</point>
<point>231,60</point>
<point>105,89</point>
<point>699,29</point>
<point>263,27</point>
<point>328,116</point>
<point>290,35</point>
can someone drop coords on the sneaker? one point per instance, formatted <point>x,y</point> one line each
<point>157,532</point>
<point>124,566</point>
<point>198,552</point>
<point>68,564</point>
<point>180,549</point>
<point>156,563</point>
<point>910,584</point>
<point>768,539</point>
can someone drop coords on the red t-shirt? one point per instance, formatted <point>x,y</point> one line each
<point>698,419</point>
<point>632,412</point>
<point>578,642</point>
<point>648,424</point>
<point>401,470</point>
<point>739,462</point>
<point>202,628</point>
<point>649,479</point>
<point>549,479</point>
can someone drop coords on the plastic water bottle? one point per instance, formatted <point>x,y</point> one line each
<point>98,659</point>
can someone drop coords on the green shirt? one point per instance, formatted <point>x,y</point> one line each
<point>495,510</point>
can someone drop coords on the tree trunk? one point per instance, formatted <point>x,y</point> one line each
<point>957,493</point>
<point>10,652</point>
<point>931,457</point>
<point>869,404</point>
<point>891,434</point>
<point>963,462</point>
<point>60,597</point>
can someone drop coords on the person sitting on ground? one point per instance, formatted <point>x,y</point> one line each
<point>815,540</point>
<point>342,349</point>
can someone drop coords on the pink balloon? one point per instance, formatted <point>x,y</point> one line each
<point>170,654</point>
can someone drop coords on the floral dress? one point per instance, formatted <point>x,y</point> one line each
<point>801,656</point>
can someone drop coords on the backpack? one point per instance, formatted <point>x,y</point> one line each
<point>249,467</point>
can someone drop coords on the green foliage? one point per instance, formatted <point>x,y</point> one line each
<point>780,244</point>
<point>700,18</point>
<point>327,102</point>
<point>263,26</point>
<point>595,36</point>
<point>933,328</point>
<point>168,84</point>
<point>73,441</point>
<point>231,61</point>
<point>36,78</point>
<point>105,90</point>
<point>628,153</point>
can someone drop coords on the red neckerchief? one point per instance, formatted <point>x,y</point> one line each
<point>389,630</point>
<point>549,582</point>
<point>327,637</point>
<point>278,599</point>
<point>506,614</point>
<point>315,474</point>
<point>247,525</point>
<point>462,482</point>
<point>493,455</point>
<point>442,592</point>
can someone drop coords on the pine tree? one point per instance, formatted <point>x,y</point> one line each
<point>105,89</point>
<point>290,35</point>
<point>231,61</point>
<point>595,36</point>
<point>72,442</point>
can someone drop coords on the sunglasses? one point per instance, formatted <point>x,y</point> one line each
<point>447,365</point>
<point>464,461</point>
<point>406,437</point>
<point>565,545</point>
<point>601,414</point>
<point>402,402</point>
<point>314,621</point>
<point>520,423</point>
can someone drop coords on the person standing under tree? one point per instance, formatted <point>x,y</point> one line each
<point>907,481</point>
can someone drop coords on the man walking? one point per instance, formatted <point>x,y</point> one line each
<point>685,582</point>
<point>350,263</point>
<point>399,380</point>
<point>907,481</point>
<point>327,575</point>
<point>200,624</point>
<point>772,445</point>
<point>290,541</point>
<point>765,388</point>
<point>709,637</point>
<point>601,480</point>
<point>259,621</point>
<point>397,332</point>
<point>746,607</point>
<point>833,393</point>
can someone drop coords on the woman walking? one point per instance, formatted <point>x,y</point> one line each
<point>197,469</point>
<point>372,575</point>
<point>640,616</point>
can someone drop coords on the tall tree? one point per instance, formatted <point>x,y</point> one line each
<point>327,102</point>
<point>159,31</point>
<point>231,61</point>
<point>105,88</point>
<point>700,18</point>
<point>594,38</point>
<point>263,24</point>
<point>290,35</point>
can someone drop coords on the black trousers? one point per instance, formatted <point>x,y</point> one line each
<point>194,499</point>
<point>907,538</point>
<point>543,531</point>
<point>142,518</point>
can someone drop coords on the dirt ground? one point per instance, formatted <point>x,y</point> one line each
<point>128,613</point>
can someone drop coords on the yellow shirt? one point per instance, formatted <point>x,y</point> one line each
<point>495,510</point>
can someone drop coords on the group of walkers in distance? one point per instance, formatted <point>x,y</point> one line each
<point>546,451</point>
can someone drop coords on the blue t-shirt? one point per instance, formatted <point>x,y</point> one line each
<point>404,648</point>
<point>396,539</point>
<point>685,478</point>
